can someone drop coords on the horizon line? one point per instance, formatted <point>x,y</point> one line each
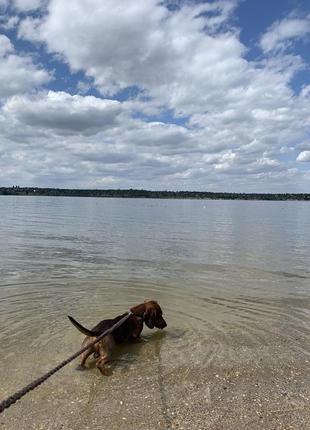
<point>139,190</point>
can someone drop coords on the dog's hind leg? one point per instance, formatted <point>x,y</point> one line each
<point>84,357</point>
<point>87,353</point>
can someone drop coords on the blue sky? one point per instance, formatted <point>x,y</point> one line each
<point>145,94</point>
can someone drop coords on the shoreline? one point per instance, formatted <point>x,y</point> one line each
<point>150,194</point>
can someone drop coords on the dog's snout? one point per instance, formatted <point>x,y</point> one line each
<point>161,323</point>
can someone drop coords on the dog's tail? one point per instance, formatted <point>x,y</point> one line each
<point>82,329</point>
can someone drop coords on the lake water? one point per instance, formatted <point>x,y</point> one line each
<point>231,276</point>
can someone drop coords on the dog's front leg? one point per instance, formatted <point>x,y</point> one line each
<point>103,360</point>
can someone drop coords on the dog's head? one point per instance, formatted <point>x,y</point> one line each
<point>151,313</point>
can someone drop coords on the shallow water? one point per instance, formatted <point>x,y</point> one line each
<point>231,276</point>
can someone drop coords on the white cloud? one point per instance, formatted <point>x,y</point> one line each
<point>4,4</point>
<point>304,156</point>
<point>123,152</point>
<point>56,138</point>
<point>279,35</point>
<point>28,5</point>
<point>8,22</point>
<point>241,115</point>
<point>5,45</point>
<point>144,44</point>
<point>17,73</point>
<point>28,29</point>
<point>63,113</point>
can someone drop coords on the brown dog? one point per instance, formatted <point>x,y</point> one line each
<point>149,312</point>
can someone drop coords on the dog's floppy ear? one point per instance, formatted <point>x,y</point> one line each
<point>150,318</point>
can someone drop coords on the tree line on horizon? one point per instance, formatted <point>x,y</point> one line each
<point>140,193</point>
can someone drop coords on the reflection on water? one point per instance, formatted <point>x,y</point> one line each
<point>228,274</point>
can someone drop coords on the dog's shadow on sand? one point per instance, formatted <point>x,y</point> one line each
<point>126,354</point>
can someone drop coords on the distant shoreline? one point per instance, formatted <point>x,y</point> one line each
<point>134,193</point>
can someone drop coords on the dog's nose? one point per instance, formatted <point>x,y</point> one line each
<point>163,324</point>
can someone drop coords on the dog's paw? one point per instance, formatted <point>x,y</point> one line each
<point>79,367</point>
<point>106,371</point>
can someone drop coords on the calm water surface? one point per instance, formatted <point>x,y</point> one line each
<point>228,274</point>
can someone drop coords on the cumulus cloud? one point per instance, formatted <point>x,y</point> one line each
<point>28,5</point>
<point>281,33</point>
<point>63,113</point>
<point>304,156</point>
<point>5,45</point>
<point>18,73</point>
<point>202,115</point>
<point>3,4</point>
<point>8,22</point>
<point>28,29</point>
<point>144,44</point>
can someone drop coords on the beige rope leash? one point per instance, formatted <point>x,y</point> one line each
<point>21,393</point>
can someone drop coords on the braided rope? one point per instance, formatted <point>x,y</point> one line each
<point>21,393</point>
